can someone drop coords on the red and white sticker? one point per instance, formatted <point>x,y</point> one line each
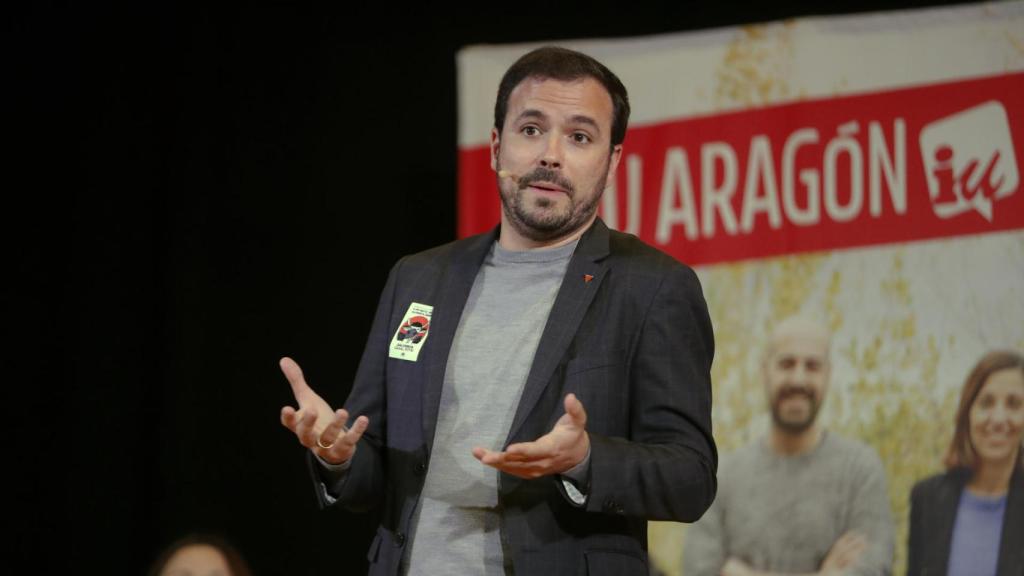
<point>412,332</point>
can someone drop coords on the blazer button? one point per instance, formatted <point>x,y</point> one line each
<point>399,540</point>
<point>611,505</point>
<point>420,468</point>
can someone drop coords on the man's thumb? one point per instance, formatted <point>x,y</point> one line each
<point>574,408</point>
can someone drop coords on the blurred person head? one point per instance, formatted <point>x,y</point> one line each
<point>200,555</point>
<point>796,372</point>
<point>990,417</point>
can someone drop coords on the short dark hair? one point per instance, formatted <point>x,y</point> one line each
<point>961,453</point>
<point>566,65</point>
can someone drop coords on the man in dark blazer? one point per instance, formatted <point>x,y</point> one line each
<point>612,425</point>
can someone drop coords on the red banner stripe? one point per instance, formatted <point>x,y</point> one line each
<point>878,168</point>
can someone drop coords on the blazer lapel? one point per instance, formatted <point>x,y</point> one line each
<point>453,291</point>
<point>582,279</point>
<point>946,506</point>
<point>1011,555</point>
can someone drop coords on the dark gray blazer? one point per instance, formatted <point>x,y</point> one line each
<point>634,343</point>
<point>933,505</point>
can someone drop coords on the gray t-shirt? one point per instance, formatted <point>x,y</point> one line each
<point>457,524</point>
<point>784,513</point>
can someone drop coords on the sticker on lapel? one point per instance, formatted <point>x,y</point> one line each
<point>412,332</point>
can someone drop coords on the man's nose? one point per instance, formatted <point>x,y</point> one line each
<point>800,375</point>
<point>552,155</point>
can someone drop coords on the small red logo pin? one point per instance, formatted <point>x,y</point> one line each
<point>587,278</point>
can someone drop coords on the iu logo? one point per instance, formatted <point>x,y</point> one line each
<point>969,160</point>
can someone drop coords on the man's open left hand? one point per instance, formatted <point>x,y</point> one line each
<point>553,453</point>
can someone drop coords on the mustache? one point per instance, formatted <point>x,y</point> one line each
<point>787,393</point>
<point>546,175</point>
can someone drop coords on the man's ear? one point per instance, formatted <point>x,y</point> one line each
<point>613,164</point>
<point>495,146</point>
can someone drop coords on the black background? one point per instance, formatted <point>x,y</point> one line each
<point>195,192</point>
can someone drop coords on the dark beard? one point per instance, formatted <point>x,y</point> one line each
<point>789,426</point>
<point>547,226</point>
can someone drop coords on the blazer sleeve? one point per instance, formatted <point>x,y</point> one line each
<point>666,469</point>
<point>361,487</point>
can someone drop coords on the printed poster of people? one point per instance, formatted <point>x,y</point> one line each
<point>862,170</point>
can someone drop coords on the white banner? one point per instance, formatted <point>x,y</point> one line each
<point>914,303</point>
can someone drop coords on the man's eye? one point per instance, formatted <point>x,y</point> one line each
<point>530,131</point>
<point>580,138</point>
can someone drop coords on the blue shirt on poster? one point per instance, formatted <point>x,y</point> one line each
<point>979,524</point>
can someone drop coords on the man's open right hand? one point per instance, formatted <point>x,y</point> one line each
<point>316,425</point>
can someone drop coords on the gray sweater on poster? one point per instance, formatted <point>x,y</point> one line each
<point>783,513</point>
